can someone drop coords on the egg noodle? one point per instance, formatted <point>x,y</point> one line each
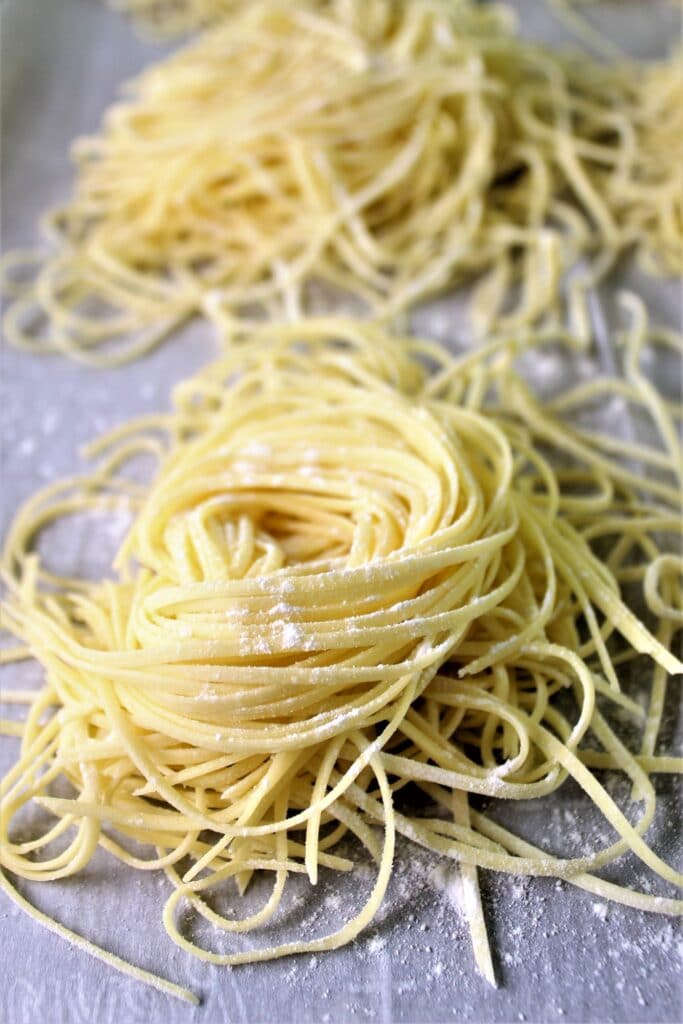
<point>363,562</point>
<point>388,150</point>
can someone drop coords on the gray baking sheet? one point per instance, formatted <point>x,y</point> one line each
<point>560,954</point>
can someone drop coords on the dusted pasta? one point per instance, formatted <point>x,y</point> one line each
<point>362,562</point>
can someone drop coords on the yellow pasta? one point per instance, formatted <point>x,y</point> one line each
<point>362,562</point>
<point>388,150</point>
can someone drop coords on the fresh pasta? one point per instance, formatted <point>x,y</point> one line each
<point>387,150</point>
<point>363,562</point>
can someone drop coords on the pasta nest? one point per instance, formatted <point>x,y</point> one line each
<point>386,150</point>
<point>351,572</point>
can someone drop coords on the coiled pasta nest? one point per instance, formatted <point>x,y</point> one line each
<point>362,563</point>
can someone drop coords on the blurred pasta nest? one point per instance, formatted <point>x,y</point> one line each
<point>355,569</point>
<point>385,149</point>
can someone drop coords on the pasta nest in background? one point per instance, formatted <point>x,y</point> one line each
<point>386,150</point>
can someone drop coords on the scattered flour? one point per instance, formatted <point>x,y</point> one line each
<point>27,446</point>
<point>50,422</point>
<point>291,635</point>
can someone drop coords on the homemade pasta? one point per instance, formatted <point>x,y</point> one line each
<point>388,150</point>
<point>363,562</point>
